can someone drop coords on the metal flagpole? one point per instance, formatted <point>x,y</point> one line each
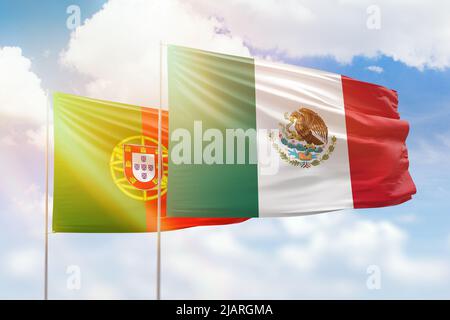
<point>46,198</point>
<point>160,166</point>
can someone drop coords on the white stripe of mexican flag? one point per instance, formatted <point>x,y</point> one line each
<point>294,190</point>
<point>324,142</point>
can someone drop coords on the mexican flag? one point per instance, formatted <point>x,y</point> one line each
<point>253,138</point>
<point>105,168</point>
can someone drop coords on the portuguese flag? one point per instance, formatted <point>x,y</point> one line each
<point>253,138</point>
<point>104,168</point>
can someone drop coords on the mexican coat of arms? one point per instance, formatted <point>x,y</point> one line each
<point>303,139</point>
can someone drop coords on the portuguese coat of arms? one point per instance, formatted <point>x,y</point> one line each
<point>303,139</point>
<point>140,166</point>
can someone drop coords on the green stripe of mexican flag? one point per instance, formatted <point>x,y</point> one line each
<point>222,96</point>
<point>252,138</point>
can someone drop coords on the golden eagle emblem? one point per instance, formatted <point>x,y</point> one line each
<point>303,140</point>
<point>307,125</point>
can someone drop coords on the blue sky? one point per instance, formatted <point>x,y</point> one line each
<point>37,27</point>
<point>95,62</point>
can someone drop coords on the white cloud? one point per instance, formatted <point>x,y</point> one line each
<point>27,207</point>
<point>237,261</point>
<point>323,256</point>
<point>23,105</point>
<point>119,47</point>
<point>22,263</point>
<point>30,201</point>
<point>37,137</point>
<point>21,94</point>
<point>418,271</point>
<point>8,140</point>
<point>339,28</point>
<point>376,69</point>
<point>359,243</point>
<point>22,116</point>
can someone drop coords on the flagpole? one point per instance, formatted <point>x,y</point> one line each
<point>160,165</point>
<point>47,134</point>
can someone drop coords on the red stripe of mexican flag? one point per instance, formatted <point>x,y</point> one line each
<point>321,141</point>
<point>376,145</point>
